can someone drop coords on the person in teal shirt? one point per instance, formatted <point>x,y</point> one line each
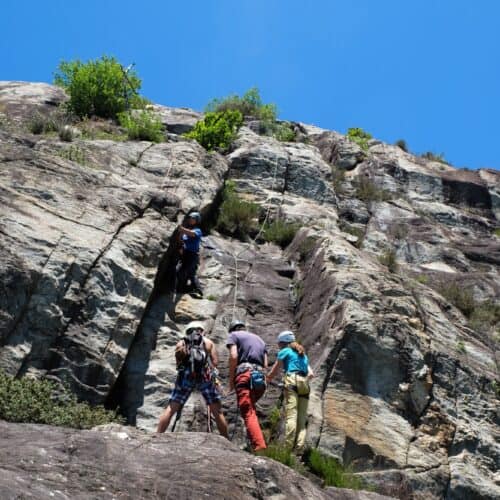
<point>293,361</point>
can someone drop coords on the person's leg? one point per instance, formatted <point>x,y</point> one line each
<point>212,397</point>
<point>291,403</point>
<point>172,408</point>
<point>248,413</point>
<point>256,394</point>
<point>192,270</point>
<point>182,275</point>
<point>180,394</point>
<point>303,403</point>
<point>216,410</point>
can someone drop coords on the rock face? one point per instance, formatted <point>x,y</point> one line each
<point>46,462</point>
<point>406,387</point>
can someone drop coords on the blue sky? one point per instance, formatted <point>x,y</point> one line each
<point>427,71</point>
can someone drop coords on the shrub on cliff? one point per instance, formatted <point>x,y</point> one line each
<point>142,125</point>
<point>367,190</point>
<point>401,144</point>
<point>461,297</point>
<point>98,87</point>
<point>486,317</point>
<point>359,136</point>
<point>44,124</point>
<point>236,217</point>
<point>284,132</point>
<point>429,155</point>
<point>389,260</point>
<point>34,401</point>
<point>280,232</point>
<point>217,130</point>
<point>249,105</point>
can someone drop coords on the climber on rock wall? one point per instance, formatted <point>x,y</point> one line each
<point>196,360</point>
<point>190,237</point>
<point>292,359</point>
<point>247,362</point>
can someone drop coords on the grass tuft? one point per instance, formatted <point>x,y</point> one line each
<point>331,471</point>
<point>237,217</point>
<point>281,232</point>
<point>281,454</point>
<point>389,260</point>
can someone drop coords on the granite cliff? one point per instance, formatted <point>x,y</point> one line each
<point>406,391</point>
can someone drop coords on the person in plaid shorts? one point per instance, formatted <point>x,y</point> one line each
<point>186,381</point>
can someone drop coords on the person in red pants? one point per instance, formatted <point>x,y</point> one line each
<point>247,362</point>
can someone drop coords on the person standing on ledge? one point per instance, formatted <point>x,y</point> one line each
<point>247,361</point>
<point>292,359</point>
<point>196,360</point>
<point>190,235</point>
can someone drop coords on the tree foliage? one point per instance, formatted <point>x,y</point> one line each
<point>249,105</point>
<point>217,130</point>
<point>36,401</point>
<point>359,136</point>
<point>98,87</point>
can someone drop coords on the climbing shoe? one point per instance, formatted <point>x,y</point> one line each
<point>196,293</point>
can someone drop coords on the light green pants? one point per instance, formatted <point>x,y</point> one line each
<point>295,415</point>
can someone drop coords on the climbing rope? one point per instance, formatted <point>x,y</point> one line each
<point>252,242</point>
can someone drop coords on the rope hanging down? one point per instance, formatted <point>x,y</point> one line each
<point>252,242</point>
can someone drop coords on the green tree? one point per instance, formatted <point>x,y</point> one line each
<point>98,87</point>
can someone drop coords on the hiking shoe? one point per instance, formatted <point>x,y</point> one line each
<point>196,293</point>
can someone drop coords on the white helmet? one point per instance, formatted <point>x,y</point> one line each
<point>286,337</point>
<point>194,325</point>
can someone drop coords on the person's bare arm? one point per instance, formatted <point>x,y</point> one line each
<point>212,351</point>
<point>179,352</point>
<point>233,361</point>
<point>278,365</point>
<point>265,360</point>
<point>310,372</point>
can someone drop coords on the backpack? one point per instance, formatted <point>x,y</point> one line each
<point>196,356</point>
<point>257,380</point>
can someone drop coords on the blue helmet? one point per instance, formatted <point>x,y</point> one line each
<point>286,337</point>
<point>195,215</point>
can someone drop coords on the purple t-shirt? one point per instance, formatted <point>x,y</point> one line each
<point>251,348</point>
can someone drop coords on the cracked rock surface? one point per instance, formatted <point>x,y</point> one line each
<point>118,462</point>
<point>406,387</point>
